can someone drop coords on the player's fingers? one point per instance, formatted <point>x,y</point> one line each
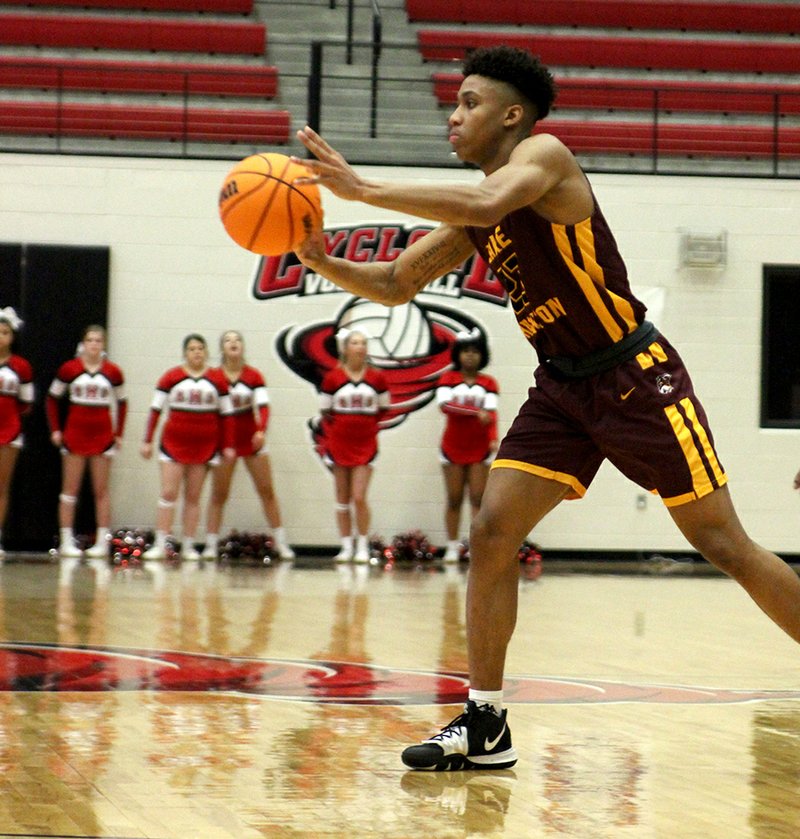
<point>312,176</point>
<point>316,139</point>
<point>314,143</point>
<point>303,161</point>
<point>319,173</point>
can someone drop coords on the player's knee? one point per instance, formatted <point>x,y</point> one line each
<point>722,550</point>
<point>486,529</point>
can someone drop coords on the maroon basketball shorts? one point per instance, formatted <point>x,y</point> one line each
<point>642,415</point>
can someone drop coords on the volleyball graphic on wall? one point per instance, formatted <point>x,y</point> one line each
<point>397,332</point>
<point>410,344</point>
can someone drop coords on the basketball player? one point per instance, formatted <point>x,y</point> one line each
<point>16,398</point>
<point>199,423</point>
<point>250,402</point>
<point>608,384</point>
<point>468,398</point>
<point>91,434</point>
<point>353,398</point>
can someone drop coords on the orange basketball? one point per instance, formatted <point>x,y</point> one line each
<point>262,208</point>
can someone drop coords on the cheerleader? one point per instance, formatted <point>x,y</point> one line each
<point>16,398</point>
<point>90,434</point>
<point>468,399</point>
<point>353,398</point>
<point>250,400</point>
<point>199,424</point>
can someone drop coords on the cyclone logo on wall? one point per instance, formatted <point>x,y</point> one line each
<point>410,344</point>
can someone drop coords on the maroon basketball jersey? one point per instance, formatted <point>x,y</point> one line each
<point>567,283</point>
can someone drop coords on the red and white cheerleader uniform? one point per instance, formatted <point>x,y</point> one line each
<point>97,407</point>
<point>352,411</point>
<point>16,398</point>
<point>466,439</point>
<point>199,422</point>
<point>250,403</point>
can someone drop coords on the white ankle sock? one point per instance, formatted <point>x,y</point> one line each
<point>488,697</point>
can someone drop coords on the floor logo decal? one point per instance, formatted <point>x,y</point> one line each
<point>46,667</point>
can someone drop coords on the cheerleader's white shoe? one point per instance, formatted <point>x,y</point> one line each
<point>452,554</point>
<point>97,551</point>
<point>154,554</point>
<point>285,551</point>
<point>344,555</point>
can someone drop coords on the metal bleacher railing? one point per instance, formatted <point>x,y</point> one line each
<point>624,126</point>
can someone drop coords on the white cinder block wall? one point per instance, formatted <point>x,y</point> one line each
<point>174,271</point>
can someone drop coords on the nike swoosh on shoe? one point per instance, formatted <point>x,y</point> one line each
<point>490,744</point>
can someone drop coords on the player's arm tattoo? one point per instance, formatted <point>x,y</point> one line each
<point>433,262</point>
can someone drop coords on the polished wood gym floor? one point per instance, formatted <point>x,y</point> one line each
<point>209,702</point>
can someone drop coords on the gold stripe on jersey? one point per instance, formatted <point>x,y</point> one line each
<point>701,479</point>
<point>654,353</point>
<point>562,477</point>
<point>591,276</point>
<point>677,500</point>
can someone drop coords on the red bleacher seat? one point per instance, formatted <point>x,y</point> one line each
<point>243,7</point>
<point>688,140</point>
<point>123,33</point>
<point>696,15</point>
<point>145,123</point>
<point>640,95</point>
<point>138,77</point>
<point>628,52</point>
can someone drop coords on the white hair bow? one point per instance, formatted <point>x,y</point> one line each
<point>81,347</point>
<point>473,335</point>
<point>344,333</point>
<point>9,316</point>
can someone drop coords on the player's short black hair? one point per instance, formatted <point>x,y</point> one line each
<point>517,67</point>
<point>471,342</point>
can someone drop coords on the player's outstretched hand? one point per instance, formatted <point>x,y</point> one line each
<point>311,251</point>
<point>329,169</point>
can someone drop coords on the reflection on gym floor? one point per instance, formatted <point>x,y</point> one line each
<point>211,701</point>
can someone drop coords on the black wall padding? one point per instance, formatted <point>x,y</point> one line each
<point>61,289</point>
<point>10,276</point>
